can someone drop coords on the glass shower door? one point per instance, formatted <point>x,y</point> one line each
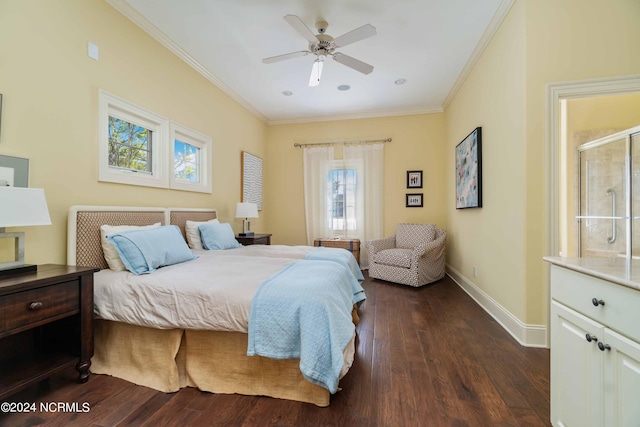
<point>635,191</point>
<point>603,197</point>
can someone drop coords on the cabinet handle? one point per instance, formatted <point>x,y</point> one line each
<point>591,338</point>
<point>35,306</point>
<point>604,347</point>
<point>597,302</point>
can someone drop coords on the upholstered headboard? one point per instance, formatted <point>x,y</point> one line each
<point>84,247</point>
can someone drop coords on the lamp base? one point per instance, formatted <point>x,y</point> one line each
<point>247,234</point>
<point>15,271</point>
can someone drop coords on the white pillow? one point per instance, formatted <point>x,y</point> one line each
<point>193,234</point>
<point>111,255</point>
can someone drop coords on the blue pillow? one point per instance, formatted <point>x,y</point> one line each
<point>218,236</point>
<point>143,251</point>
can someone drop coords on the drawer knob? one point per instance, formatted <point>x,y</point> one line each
<point>35,306</point>
<point>591,337</point>
<point>604,347</point>
<point>597,302</point>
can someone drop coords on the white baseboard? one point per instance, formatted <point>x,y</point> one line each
<point>526,335</point>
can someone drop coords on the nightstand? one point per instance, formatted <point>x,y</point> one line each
<point>46,325</point>
<point>256,239</point>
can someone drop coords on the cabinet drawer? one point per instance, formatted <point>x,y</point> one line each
<point>28,307</point>
<point>621,309</point>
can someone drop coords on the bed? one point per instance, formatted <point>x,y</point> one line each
<point>166,358</point>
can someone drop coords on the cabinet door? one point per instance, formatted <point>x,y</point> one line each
<point>622,380</point>
<point>577,369</point>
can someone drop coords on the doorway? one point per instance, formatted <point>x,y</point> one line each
<point>582,109</point>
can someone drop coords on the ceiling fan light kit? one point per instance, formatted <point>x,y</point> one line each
<point>323,45</point>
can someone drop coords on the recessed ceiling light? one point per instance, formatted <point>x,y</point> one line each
<point>400,81</point>
<point>287,93</point>
<point>344,87</point>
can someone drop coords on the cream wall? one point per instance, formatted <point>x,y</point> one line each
<point>566,40</point>
<point>539,42</point>
<point>492,237</point>
<point>50,108</point>
<point>418,144</point>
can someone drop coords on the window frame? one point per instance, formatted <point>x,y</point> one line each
<point>111,105</point>
<point>196,139</point>
<point>355,165</point>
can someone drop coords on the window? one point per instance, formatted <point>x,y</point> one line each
<point>191,155</point>
<point>341,190</point>
<point>132,143</point>
<point>129,146</point>
<point>186,162</point>
<point>139,147</point>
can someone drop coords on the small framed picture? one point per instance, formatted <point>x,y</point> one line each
<point>414,200</point>
<point>414,179</point>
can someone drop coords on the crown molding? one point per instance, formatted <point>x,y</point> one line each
<point>134,16</point>
<point>495,23</point>
<point>354,116</point>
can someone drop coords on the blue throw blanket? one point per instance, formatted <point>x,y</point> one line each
<point>341,256</point>
<point>304,311</point>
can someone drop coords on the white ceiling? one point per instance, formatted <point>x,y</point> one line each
<point>430,43</point>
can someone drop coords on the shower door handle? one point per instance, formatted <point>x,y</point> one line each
<point>614,234</point>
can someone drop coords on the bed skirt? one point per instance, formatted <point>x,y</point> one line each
<point>169,359</point>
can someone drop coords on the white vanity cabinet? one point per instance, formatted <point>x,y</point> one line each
<point>595,350</point>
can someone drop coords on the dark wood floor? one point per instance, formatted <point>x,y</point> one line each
<point>425,357</point>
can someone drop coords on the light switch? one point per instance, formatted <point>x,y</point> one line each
<point>92,51</point>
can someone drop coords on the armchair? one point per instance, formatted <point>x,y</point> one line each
<point>415,256</point>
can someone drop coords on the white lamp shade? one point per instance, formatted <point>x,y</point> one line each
<point>23,207</point>
<point>246,210</point>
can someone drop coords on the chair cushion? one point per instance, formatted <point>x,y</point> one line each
<point>394,257</point>
<point>408,236</point>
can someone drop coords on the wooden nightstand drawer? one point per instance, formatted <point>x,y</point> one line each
<point>29,307</point>
<point>46,325</point>
<point>256,239</point>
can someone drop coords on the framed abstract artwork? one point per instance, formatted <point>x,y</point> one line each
<point>469,171</point>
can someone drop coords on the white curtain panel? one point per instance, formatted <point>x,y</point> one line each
<point>317,161</point>
<point>370,194</point>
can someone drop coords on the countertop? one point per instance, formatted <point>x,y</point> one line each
<point>617,270</point>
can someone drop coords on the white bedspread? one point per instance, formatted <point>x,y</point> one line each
<point>212,292</point>
<point>274,251</point>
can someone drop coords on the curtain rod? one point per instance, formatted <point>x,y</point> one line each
<point>366,141</point>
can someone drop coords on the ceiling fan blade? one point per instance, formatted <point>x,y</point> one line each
<point>277,58</point>
<point>355,35</point>
<point>300,27</point>
<point>316,72</point>
<point>354,63</point>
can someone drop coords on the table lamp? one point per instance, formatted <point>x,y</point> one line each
<point>246,210</point>
<point>21,207</point>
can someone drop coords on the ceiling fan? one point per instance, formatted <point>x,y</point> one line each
<point>323,45</point>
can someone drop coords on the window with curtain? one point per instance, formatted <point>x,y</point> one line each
<point>343,198</point>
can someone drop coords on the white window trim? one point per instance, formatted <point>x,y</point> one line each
<point>201,141</point>
<point>110,104</point>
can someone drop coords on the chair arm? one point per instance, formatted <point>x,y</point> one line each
<point>434,249</point>
<point>381,244</point>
